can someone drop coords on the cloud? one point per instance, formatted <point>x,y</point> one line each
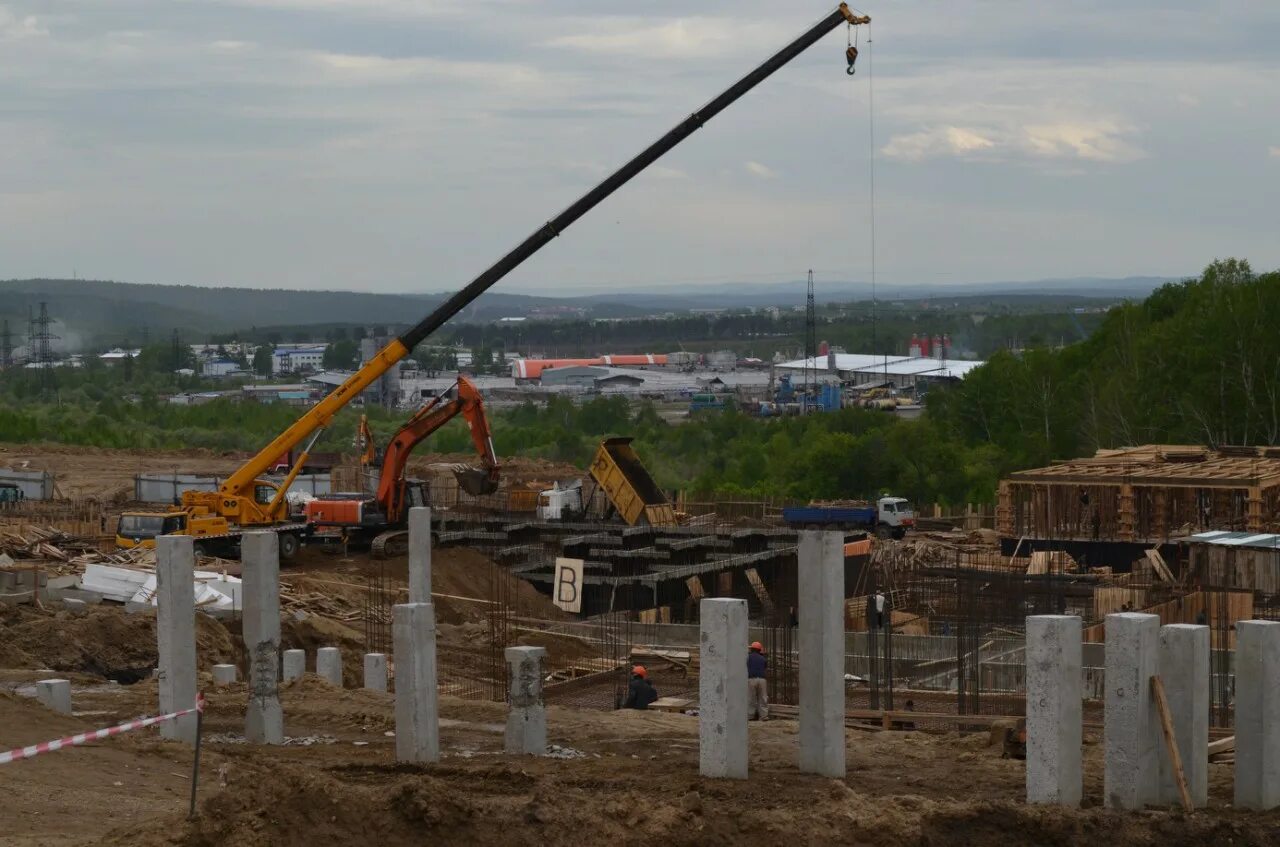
<point>1101,141</point>
<point>939,141</point>
<point>14,26</point>
<point>684,38</point>
<point>762,171</point>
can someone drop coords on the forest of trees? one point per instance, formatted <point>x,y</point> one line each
<point>1196,362</point>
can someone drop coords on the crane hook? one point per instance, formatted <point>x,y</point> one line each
<point>851,55</point>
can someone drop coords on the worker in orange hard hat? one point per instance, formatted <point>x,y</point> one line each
<point>757,685</point>
<point>640,693</point>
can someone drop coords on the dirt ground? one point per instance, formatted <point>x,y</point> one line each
<point>633,780</point>
<point>107,474</point>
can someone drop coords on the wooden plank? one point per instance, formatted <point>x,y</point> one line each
<point>1222,745</point>
<point>695,587</point>
<point>1170,743</point>
<point>762,593</point>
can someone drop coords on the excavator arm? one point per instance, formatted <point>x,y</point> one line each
<point>466,401</point>
<point>234,500</point>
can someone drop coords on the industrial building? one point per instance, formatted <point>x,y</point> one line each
<point>872,369</point>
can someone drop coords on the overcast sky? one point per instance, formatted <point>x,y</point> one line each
<point>403,145</point>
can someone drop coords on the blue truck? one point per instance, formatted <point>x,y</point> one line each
<point>888,517</point>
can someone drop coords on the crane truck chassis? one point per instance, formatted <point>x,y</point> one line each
<point>241,504</point>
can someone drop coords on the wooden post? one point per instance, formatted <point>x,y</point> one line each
<point>1004,511</point>
<point>1253,514</point>
<point>1171,745</point>
<point>1126,522</point>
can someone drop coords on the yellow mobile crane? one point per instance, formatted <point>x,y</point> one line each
<point>246,501</point>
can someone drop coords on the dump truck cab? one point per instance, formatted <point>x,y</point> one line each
<point>895,516</point>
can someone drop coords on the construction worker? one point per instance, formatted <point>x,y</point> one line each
<point>757,686</point>
<point>640,693</point>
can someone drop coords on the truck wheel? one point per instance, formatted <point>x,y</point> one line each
<point>288,545</point>
<point>199,549</point>
<point>882,531</point>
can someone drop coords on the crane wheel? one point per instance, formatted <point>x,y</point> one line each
<point>288,545</point>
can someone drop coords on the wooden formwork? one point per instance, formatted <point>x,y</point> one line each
<point>1144,494</point>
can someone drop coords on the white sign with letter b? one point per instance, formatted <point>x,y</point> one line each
<point>567,588</point>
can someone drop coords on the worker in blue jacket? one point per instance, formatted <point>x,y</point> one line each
<point>640,693</point>
<point>757,685</point>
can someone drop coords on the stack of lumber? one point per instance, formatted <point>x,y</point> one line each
<point>1222,751</point>
<point>42,542</point>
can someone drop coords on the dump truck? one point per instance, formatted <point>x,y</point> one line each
<point>245,501</point>
<point>888,516</point>
<point>617,471</point>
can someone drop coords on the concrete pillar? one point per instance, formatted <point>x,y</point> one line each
<point>1258,714</point>
<point>417,707</point>
<point>224,674</point>
<point>329,665</point>
<point>1054,716</point>
<point>1184,672</point>
<point>176,633</point>
<point>527,718</point>
<point>375,671</point>
<point>722,688</point>
<point>821,577</point>
<point>1132,737</point>
<point>54,694</point>
<point>420,554</point>
<point>264,718</point>
<point>294,664</point>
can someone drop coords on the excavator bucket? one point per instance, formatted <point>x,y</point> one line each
<point>476,481</point>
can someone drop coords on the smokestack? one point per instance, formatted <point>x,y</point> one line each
<point>823,348</point>
<point>924,344</point>
<point>946,347</point>
<point>937,346</point>
<point>913,348</point>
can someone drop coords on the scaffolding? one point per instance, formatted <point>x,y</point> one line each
<point>1144,495</point>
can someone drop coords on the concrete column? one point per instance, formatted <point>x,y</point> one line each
<point>54,694</point>
<point>294,664</point>
<point>722,688</point>
<point>1131,777</point>
<point>1258,714</point>
<point>375,671</point>
<point>1054,716</point>
<point>176,633</point>
<point>417,707</point>
<point>821,577</point>
<point>264,718</point>
<point>527,718</point>
<point>420,554</point>
<point>329,665</point>
<point>1184,672</point>
<point>224,674</point>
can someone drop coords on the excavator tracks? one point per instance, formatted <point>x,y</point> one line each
<point>388,545</point>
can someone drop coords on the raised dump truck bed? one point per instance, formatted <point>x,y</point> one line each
<point>619,472</point>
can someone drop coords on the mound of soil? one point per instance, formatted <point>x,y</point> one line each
<point>103,641</point>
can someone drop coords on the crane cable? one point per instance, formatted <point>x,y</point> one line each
<point>852,39</point>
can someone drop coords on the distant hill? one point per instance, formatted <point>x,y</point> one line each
<point>91,311</point>
<point>94,312</point>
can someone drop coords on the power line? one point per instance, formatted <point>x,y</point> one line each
<point>40,347</point>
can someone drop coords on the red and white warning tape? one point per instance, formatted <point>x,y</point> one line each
<point>74,740</point>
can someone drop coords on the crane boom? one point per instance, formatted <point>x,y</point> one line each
<point>234,501</point>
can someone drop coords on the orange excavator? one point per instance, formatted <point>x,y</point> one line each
<point>381,520</point>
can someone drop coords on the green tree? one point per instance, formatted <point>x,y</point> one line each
<point>340,355</point>
<point>262,360</point>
